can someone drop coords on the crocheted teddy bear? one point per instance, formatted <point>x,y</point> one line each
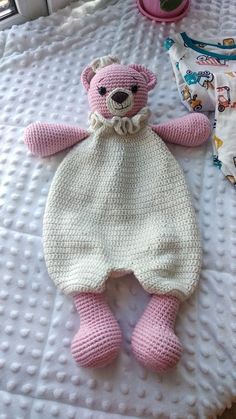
<point>119,203</point>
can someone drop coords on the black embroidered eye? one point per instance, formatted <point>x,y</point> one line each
<point>102,91</point>
<point>134,88</point>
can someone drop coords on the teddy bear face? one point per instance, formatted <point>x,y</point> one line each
<point>118,90</point>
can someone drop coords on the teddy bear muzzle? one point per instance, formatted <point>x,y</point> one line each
<point>119,97</point>
<point>120,101</point>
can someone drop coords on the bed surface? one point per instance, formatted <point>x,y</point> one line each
<point>40,66</point>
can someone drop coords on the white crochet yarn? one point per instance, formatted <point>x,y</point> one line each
<point>103,62</point>
<point>122,126</point>
<point>120,202</point>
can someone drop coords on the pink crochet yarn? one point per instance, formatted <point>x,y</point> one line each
<point>154,342</point>
<point>44,139</point>
<point>98,340</point>
<point>47,139</point>
<point>190,130</point>
<point>125,76</point>
<point>116,90</point>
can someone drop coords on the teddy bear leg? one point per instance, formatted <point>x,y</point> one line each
<point>154,342</point>
<point>98,340</point>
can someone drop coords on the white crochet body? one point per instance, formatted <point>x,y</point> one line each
<point>119,202</point>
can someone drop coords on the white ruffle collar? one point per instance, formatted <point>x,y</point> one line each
<point>121,125</point>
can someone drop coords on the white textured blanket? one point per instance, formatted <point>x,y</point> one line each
<point>40,68</point>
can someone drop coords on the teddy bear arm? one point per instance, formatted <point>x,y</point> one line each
<point>45,139</point>
<point>190,130</point>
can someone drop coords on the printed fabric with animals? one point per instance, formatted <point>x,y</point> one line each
<point>205,73</point>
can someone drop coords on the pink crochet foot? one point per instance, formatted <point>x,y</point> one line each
<point>98,340</point>
<point>154,342</point>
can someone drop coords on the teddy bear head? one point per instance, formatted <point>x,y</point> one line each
<point>115,89</point>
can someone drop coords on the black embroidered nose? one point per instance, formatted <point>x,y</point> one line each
<point>119,97</point>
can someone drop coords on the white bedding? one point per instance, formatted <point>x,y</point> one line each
<point>40,68</point>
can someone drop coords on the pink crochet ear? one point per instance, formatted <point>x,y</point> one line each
<point>86,77</point>
<point>148,75</point>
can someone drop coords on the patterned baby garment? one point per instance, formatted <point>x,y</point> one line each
<point>119,201</point>
<point>205,76</point>
<point>225,116</point>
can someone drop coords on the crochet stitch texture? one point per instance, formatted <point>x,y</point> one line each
<point>120,202</point>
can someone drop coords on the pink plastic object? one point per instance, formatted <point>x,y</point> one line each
<point>152,10</point>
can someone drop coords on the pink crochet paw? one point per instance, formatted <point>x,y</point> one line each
<point>45,139</point>
<point>189,130</point>
<point>154,342</point>
<point>98,340</point>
